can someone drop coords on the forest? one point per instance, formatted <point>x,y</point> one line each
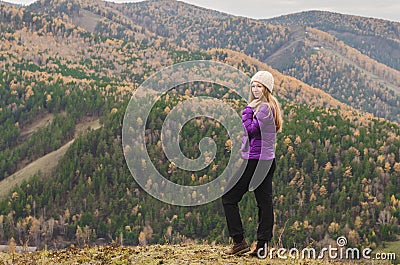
<point>335,176</point>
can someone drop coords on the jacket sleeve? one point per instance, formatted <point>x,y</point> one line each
<point>250,123</point>
<point>265,118</point>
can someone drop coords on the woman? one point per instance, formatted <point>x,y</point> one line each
<point>261,121</point>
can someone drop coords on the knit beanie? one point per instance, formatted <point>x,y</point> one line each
<point>265,78</point>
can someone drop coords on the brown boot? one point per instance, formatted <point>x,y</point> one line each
<point>261,251</point>
<point>238,248</point>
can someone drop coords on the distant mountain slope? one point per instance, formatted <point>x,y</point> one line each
<point>321,60</point>
<point>183,25</point>
<point>176,24</point>
<point>95,17</point>
<point>377,38</point>
<point>324,61</point>
<point>286,87</point>
<point>9,4</point>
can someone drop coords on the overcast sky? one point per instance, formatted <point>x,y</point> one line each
<point>386,9</point>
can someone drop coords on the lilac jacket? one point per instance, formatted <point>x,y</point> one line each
<point>258,141</point>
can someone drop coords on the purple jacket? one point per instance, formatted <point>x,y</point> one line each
<point>258,141</point>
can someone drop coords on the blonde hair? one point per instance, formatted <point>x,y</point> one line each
<point>273,103</point>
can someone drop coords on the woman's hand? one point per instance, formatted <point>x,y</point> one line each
<point>254,103</point>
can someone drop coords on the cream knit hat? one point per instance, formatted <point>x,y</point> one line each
<point>265,78</point>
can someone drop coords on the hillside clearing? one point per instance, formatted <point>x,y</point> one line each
<point>30,129</point>
<point>371,75</point>
<point>45,164</point>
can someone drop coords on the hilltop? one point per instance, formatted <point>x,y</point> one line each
<point>159,254</point>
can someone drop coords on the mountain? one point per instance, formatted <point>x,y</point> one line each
<point>10,4</point>
<point>366,51</point>
<point>369,62</point>
<point>321,68</point>
<point>376,38</point>
<point>65,62</point>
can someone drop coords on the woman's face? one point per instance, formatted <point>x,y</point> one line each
<point>257,89</point>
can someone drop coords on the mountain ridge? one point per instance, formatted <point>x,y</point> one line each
<point>316,12</point>
<point>10,4</point>
<point>358,32</point>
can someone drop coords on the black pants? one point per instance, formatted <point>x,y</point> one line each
<point>263,195</point>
